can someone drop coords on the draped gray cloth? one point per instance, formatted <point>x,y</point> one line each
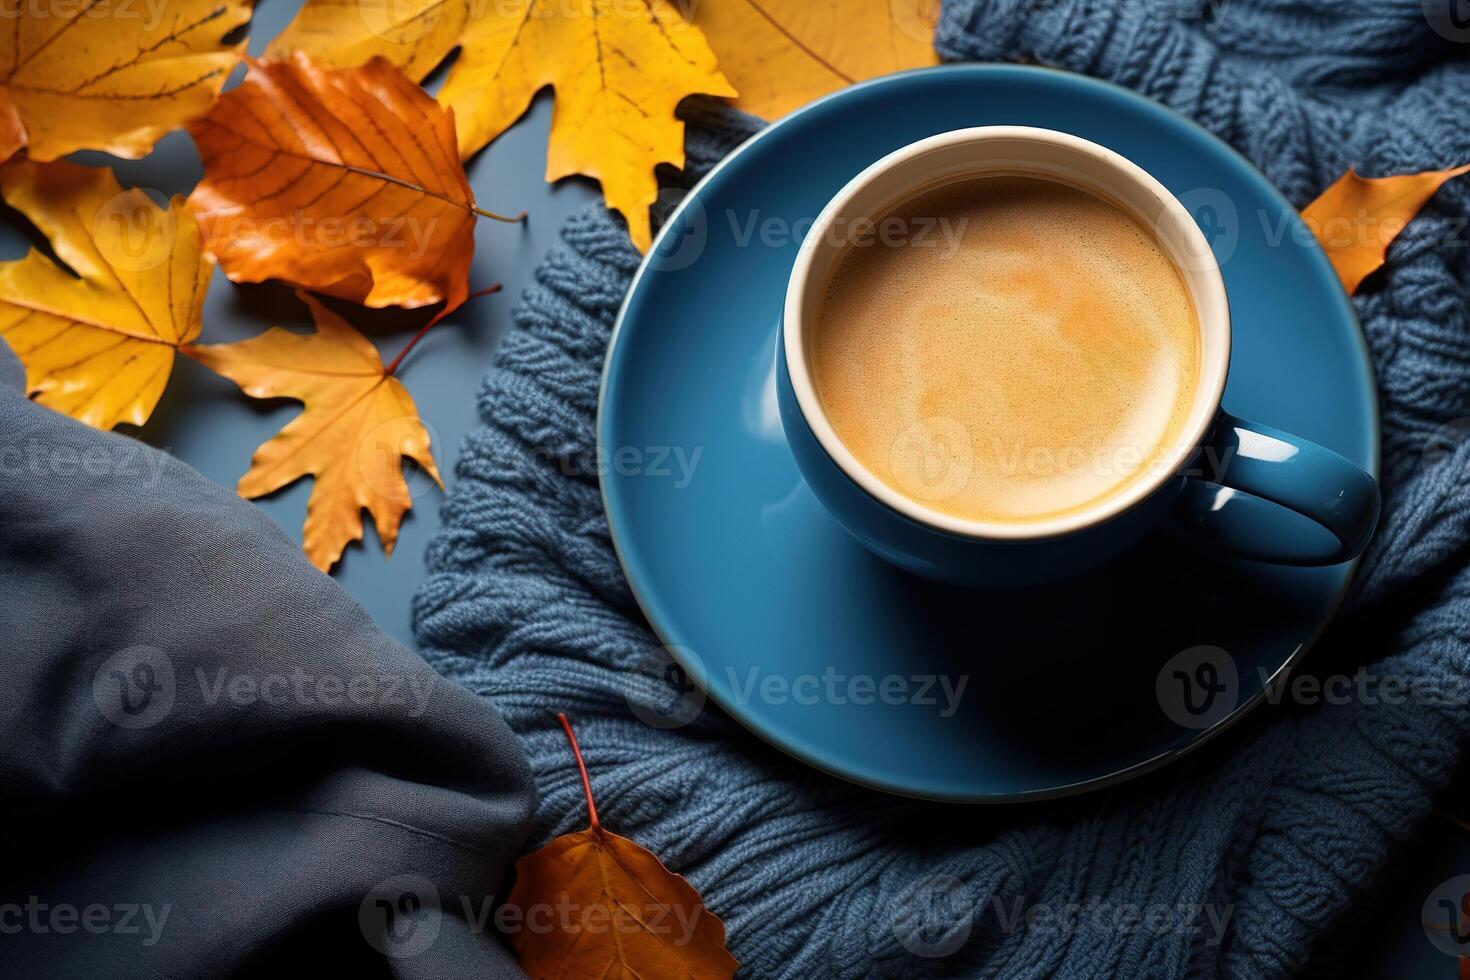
<point>212,763</point>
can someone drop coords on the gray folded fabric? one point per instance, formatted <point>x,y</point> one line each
<point>212,763</point>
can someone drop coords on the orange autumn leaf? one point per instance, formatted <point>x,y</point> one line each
<point>113,77</point>
<point>593,904</point>
<point>358,427</point>
<point>782,54</point>
<point>1358,217</point>
<point>618,69</point>
<point>345,182</point>
<point>97,337</point>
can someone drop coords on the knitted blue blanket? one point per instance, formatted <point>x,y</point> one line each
<point>1255,857</point>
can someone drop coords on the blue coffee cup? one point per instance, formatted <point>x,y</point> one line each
<point>1251,489</point>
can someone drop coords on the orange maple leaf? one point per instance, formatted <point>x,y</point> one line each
<point>342,181</point>
<point>358,427</point>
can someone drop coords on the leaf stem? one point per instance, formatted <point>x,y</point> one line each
<point>582,768</point>
<point>1451,818</point>
<point>389,178</point>
<point>393,364</point>
<point>518,219</point>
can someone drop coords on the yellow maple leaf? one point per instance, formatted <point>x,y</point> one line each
<point>618,67</point>
<point>782,54</point>
<point>99,345</point>
<point>110,75</point>
<point>358,427</point>
<point>1357,218</point>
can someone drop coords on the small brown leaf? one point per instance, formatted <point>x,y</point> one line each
<point>593,904</point>
<point>1358,217</point>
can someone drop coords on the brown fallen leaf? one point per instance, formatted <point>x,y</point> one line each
<point>357,428</point>
<point>593,904</point>
<point>1358,217</point>
<point>77,76</point>
<point>345,182</point>
<point>782,54</point>
<point>618,69</point>
<point>99,345</point>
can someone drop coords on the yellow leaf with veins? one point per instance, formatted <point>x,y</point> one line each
<point>99,345</point>
<point>782,54</point>
<point>112,75</point>
<point>618,67</point>
<point>358,427</point>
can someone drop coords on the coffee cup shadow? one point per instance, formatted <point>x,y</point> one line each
<point>1100,646</point>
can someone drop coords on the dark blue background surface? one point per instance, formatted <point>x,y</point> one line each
<point>205,420</point>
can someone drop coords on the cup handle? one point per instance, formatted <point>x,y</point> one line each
<point>1247,473</point>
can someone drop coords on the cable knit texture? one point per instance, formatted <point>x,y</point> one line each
<point>1288,823</point>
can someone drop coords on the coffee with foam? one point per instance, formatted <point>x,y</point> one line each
<point>1035,361</point>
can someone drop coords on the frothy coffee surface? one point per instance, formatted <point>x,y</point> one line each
<point>1034,353</point>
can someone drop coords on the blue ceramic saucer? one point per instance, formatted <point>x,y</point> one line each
<point>854,667</point>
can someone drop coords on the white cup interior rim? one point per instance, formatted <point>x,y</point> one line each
<point>1109,172</point>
